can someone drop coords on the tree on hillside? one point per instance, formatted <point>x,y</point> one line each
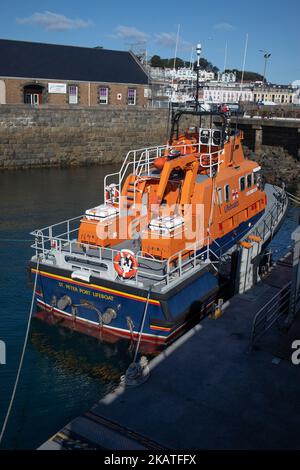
<point>157,61</point>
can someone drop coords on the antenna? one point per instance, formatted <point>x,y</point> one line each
<point>176,46</point>
<point>244,60</point>
<point>198,50</point>
<point>191,60</point>
<point>225,56</point>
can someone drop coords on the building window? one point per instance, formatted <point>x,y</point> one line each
<point>227,192</point>
<point>73,94</point>
<point>103,95</point>
<point>242,183</point>
<point>131,96</point>
<point>249,180</point>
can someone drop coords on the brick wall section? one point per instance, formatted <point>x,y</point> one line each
<point>88,93</point>
<point>32,137</point>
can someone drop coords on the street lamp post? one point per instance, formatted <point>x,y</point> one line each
<point>267,56</point>
<point>198,50</point>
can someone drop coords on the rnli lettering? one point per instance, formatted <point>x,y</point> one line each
<point>83,291</point>
<point>229,207</point>
<point>251,191</point>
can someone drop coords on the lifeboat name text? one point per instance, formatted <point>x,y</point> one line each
<point>231,206</point>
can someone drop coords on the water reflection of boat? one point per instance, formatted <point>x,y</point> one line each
<point>109,344</point>
<point>147,261</point>
<point>79,354</point>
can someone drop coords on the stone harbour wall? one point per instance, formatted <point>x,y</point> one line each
<point>44,137</point>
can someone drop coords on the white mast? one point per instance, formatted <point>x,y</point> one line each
<point>176,46</point>
<point>225,56</point>
<point>244,61</point>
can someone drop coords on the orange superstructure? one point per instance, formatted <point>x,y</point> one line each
<point>199,185</point>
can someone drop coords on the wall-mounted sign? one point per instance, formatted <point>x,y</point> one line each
<point>119,96</point>
<point>57,88</point>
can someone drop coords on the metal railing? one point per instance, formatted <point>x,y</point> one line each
<point>266,227</point>
<point>270,313</point>
<point>139,162</point>
<point>60,241</point>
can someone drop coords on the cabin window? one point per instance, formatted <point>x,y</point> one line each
<point>227,192</point>
<point>219,195</point>
<point>131,97</point>
<point>255,178</point>
<point>249,180</point>
<point>103,95</point>
<point>242,183</point>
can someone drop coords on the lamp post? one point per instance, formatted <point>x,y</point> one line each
<point>198,50</point>
<point>267,56</point>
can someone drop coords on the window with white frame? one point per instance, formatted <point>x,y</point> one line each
<point>227,192</point>
<point>73,94</point>
<point>242,183</point>
<point>249,180</point>
<point>131,96</point>
<point>103,95</point>
<point>219,196</point>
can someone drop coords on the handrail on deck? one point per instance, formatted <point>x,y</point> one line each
<point>139,161</point>
<point>164,270</point>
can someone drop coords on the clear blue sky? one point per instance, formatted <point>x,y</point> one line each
<point>272,25</point>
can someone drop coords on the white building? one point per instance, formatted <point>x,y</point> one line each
<point>296,90</point>
<point>227,77</point>
<point>223,93</point>
<point>180,74</point>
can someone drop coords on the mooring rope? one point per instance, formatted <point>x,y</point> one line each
<point>11,240</point>
<point>21,359</point>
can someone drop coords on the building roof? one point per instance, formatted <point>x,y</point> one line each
<point>51,61</point>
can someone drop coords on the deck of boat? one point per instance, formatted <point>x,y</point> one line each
<point>98,262</point>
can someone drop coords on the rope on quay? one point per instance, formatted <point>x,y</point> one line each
<point>22,357</point>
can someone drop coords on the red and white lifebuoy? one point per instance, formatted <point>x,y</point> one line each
<point>53,244</point>
<point>115,194</point>
<point>111,193</point>
<point>126,264</point>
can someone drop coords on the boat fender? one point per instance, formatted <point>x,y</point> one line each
<point>109,315</point>
<point>126,264</point>
<point>64,302</point>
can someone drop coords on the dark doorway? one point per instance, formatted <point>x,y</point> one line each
<point>33,94</point>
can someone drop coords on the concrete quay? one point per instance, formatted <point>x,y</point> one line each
<point>206,391</point>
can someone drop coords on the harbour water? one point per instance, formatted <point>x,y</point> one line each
<point>64,372</point>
